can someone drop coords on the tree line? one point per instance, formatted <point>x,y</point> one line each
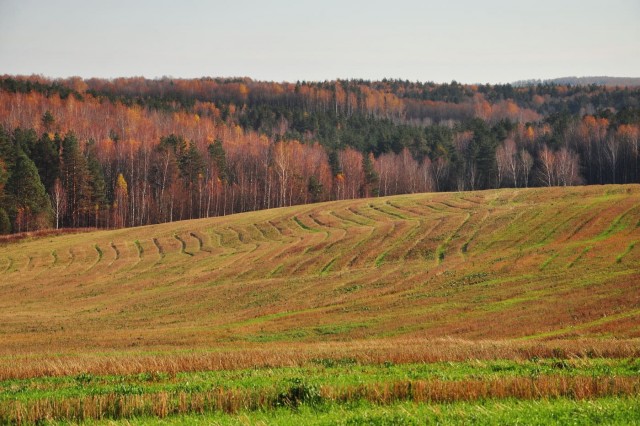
<point>129,152</point>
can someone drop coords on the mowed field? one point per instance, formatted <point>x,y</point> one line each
<point>523,277</point>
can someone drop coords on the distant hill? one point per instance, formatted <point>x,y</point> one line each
<point>601,81</point>
<point>585,81</point>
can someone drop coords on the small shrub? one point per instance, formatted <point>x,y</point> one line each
<point>562,364</point>
<point>84,378</point>
<point>128,389</point>
<point>331,363</point>
<point>145,377</point>
<point>299,393</point>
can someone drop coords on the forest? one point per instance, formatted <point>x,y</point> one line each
<point>133,151</point>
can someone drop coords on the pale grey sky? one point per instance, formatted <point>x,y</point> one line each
<point>289,40</point>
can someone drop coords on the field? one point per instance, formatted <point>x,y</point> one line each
<point>520,305</point>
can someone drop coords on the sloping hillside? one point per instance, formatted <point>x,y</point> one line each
<point>515,264</point>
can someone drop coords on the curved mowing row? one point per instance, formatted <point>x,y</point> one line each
<point>506,263</point>
<point>337,237</point>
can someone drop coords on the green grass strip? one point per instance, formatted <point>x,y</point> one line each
<point>327,268</point>
<point>380,259</point>
<point>558,411</point>
<point>303,226</point>
<point>580,256</point>
<point>100,253</point>
<point>548,261</point>
<point>139,248</point>
<point>626,252</point>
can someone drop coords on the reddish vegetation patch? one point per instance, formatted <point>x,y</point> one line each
<point>43,233</point>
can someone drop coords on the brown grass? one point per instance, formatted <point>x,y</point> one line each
<point>397,351</point>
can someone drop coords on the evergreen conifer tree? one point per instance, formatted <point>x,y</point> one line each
<point>30,207</point>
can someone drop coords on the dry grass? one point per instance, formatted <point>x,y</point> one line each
<point>494,265</point>
<point>374,352</point>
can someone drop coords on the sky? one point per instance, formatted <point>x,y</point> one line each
<point>470,41</point>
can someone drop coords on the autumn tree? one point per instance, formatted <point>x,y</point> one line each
<point>409,174</point>
<point>426,175</point>
<point>612,151</point>
<point>440,167</point>
<point>352,173</point>
<point>629,135</point>
<point>282,162</point>
<point>507,163</point>
<point>592,136</point>
<point>384,168</point>
<point>567,167</point>
<point>120,202</point>
<point>58,201</point>
<point>547,166</point>
<point>526,162</point>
